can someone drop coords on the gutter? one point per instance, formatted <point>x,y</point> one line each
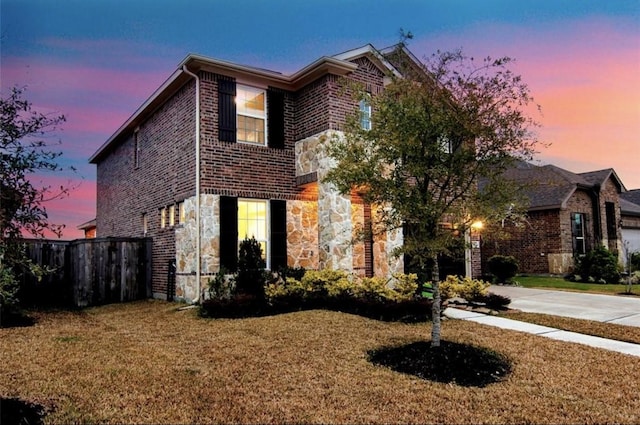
<point>198,238</point>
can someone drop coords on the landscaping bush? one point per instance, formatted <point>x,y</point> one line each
<point>376,298</point>
<point>496,301</point>
<point>503,267</point>
<point>294,272</point>
<point>222,285</point>
<point>251,269</point>
<point>598,265</point>
<point>634,261</point>
<point>467,288</point>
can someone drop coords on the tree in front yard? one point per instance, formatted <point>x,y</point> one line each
<point>435,133</point>
<point>25,153</point>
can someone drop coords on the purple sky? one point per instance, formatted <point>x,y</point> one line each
<point>96,61</point>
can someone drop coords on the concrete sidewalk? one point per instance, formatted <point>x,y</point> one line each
<point>547,332</point>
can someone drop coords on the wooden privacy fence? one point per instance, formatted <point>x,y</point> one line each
<point>89,271</point>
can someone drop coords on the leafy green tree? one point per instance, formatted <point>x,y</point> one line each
<point>25,153</point>
<point>438,132</point>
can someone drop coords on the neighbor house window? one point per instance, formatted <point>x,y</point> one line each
<point>163,218</point>
<point>578,233</point>
<point>172,215</point>
<point>251,114</point>
<point>365,114</point>
<point>252,222</point>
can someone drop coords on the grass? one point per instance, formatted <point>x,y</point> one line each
<point>561,284</point>
<point>588,327</point>
<point>146,362</point>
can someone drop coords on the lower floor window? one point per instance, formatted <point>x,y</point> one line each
<point>252,222</point>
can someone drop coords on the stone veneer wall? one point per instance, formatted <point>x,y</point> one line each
<point>339,220</point>
<point>357,221</point>
<point>302,234</point>
<point>385,243</point>
<point>334,209</point>
<point>186,245</point>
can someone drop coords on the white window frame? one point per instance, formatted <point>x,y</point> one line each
<point>163,217</point>
<point>267,230</point>
<point>263,117</point>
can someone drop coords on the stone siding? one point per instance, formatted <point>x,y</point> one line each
<point>302,234</point>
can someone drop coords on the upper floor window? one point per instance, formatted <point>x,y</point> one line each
<point>365,114</point>
<point>145,224</point>
<point>445,144</point>
<point>243,112</point>
<point>136,149</point>
<point>251,115</point>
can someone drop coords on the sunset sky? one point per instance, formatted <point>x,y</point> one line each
<point>96,61</point>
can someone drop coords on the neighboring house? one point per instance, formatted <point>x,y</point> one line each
<point>89,229</point>
<point>223,151</point>
<point>568,215</point>
<point>630,214</point>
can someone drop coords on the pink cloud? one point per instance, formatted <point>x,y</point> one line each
<point>584,74</point>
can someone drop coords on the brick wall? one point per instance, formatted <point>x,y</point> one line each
<point>165,175</point>
<point>530,243</point>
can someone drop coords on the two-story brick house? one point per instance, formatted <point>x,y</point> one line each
<point>223,151</point>
<point>568,215</point>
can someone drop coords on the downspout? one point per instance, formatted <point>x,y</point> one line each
<point>198,241</point>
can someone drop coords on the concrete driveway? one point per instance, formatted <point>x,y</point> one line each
<point>623,310</point>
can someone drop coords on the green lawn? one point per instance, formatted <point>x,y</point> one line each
<point>560,283</point>
<point>146,362</point>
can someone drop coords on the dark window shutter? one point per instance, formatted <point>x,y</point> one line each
<point>275,118</point>
<point>229,233</point>
<point>278,238</point>
<point>226,110</point>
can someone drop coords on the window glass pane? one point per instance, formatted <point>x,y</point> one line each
<point>251,115</point>
<point>252,222</point>
<point>250,100</point>
<point>365,114</point>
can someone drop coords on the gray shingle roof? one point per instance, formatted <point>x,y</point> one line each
<point>549,187</point>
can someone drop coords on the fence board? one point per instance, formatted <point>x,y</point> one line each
<point>90,271</point>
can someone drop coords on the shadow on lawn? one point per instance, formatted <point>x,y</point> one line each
<point>452,362</point>
<point>15,320</point>
<point>14,411</point>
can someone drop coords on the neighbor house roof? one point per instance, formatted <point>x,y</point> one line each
<point>550,187</point>
<point>339,64</point>
<point>630,202</point>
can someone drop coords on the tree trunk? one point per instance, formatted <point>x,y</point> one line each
<point>435,309</point>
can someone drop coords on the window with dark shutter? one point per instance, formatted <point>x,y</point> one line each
<point>275,118</point>
<point>278,225</point>
<point>229,233</point>
<point>226,110</point>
